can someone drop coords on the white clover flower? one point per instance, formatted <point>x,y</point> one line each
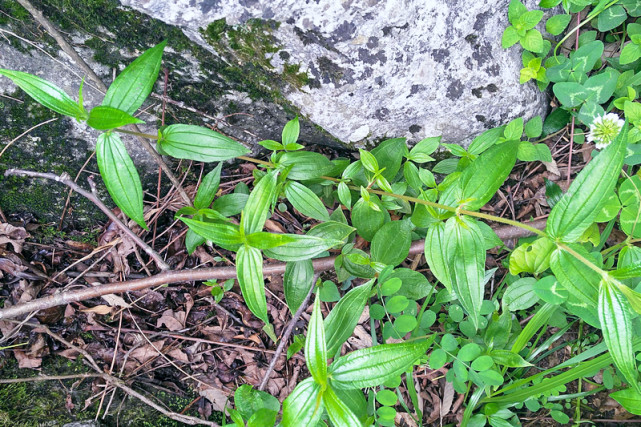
<point>604,129</point>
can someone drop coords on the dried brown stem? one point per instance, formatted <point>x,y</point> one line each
<point>216,273</point>
<point>285,338</point>
<point>66,179</point>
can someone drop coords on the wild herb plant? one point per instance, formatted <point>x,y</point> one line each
<point>563,277</point>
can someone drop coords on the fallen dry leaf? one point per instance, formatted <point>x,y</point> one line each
<point>13,235</point>
<point>99,309</point>
<point>216,396</point>
<point>147,352</point>
<point>25,361</point>
<point>172,321</point>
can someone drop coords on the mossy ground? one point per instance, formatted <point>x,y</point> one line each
<point>43,403</point>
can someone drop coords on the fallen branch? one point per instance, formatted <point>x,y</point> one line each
<point>202,274</point>
<point>66,179</point>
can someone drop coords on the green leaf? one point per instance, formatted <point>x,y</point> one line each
<point>389,156</point>
<point>529,19</point>
<point>198,143</point>
<point>532,257</point>
<point>367,220</point>
<point>534,127</point>
<point>616,326</point>
<point>514,129</point>
<point>610,209</point>
<point>291,132</point>
<point>579,207</point>
<point>230,204</point>
<point>223,234</point>
<point>248,401</point>
<point>570,94</point>
<point>415,285</point>
<point>301,248</point>
<point>130,89</point>
<point>271,145</point>
<point>249,267</point>
<point>304,406</point>
<point>368,161</point>
<point>556,121</point>
<point>208,188</point>
<point>630,196</point>
<point>344,195</point>
<point>515,10</point>
<point>630,53</point>
<point>105,118</point>
<point>529,152</point>
<point>557,24</point>
<point>436,254</point>
<point>466,255</point>
<point>520,295</point>
<point>509,38</point>
<point>306,165</point>
<point>420,153</point>
<point>193,240</point>
<point>533,41</point>
<point>305,201</point>
<point>258,204</point>
<point>120,176</point>
<point>371,367</point>
<point>481,179</point>
<point>550,290</point>
<point>630,399</point>
<point>341,321</point>
<point>315,346</point>
<point>331,230</point>
<point>265,240</point>
<point>46,93</point>
<point>298,278</point>
<point>508,359</point>
<point>339,413</point>
<point>611,18</point>
<point>391,243</point>
<point>485,140</point>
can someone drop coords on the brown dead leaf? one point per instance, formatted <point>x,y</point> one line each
<point>13,235</point>
<point>99,309</point>
<point>448,399</point>
<point>172,321</point>
<point>404,419</point>
<point>25,361</point>
<point>216,396</point>
<point>116,301</point>
<point>147,352</point>
<point>179,355</point>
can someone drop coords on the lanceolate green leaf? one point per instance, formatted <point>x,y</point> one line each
<point>315,347</point>
<point>581,281</point>
<point>466,256</point>
<point>306,164</point>
<point>208,188</point>
<point>338,411</point>
<point>481,179</point>
<point>370,367</point>
<point>105,118</point>
<point>305,201</point>
<point>46,93</point>
<point>297,280</point>
<point>304,406</point>
<point>249,267</point>
<point>198,143</point>
<point>258,204</point>
<point>578,208</point>
<point>130,89</point>
<point>120,176</point>
<point>436,253</point>
<point>341,321</point>
<point>616,326</point>
<point>223,234</point>
<point>301,248</point>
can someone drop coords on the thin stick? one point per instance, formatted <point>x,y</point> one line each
<point>200,274</point>
<point>47,378</point>
<point>66,179</point>
<point>288,332</point>
<point>69,50</point>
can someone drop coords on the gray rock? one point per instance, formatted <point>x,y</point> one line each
<point>376,68</point>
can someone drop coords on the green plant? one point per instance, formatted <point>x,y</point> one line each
<point>392,199</point>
